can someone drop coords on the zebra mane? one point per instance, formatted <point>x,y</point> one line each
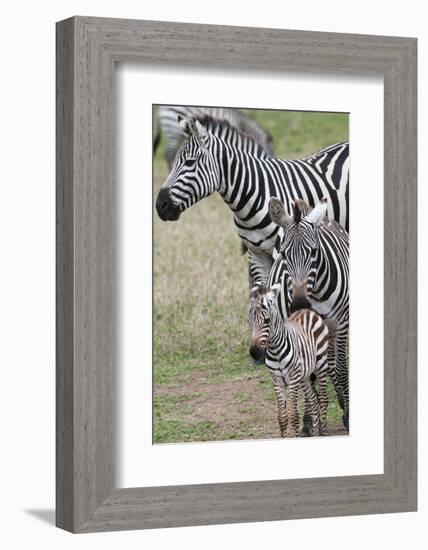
<point>300,209</point>
<point>226,129</point>
<point>297,213</point>
<point>258,290</point>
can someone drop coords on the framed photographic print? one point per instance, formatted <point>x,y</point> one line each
<point>236,274</point>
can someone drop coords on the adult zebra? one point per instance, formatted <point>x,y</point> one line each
<point>218,157</point>
<point>313,267</point>
<point>168,123</point>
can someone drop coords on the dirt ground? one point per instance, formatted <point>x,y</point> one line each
<point>244,408</point>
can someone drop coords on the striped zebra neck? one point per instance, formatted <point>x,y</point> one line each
<point>282,353</point>
<point>248,195</point>
<point>280,333</point>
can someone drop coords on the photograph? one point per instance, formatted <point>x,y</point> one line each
<point>250,274</point>
<point>194,352</point>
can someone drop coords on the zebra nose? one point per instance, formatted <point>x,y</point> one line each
<point>299,303</point>
<point>166,209</point>
<point>300,298</point>
<point>257,352</point>
<point>163,201</point>
<point>162,206</point>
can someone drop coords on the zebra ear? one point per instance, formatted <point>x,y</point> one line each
<point>277,212</point>
<point>257,291</point>
<point>201,133</point>
<point>192,127</point>
<point>316,217</point>
<point>302,206</point>
<point>185,124</point>
<point>274,290</point>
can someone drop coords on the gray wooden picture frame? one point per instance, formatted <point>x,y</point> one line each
<point>87,51</point>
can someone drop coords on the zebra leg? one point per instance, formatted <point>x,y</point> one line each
<point>323,402</point>
<point>307,417</point>
<point>332,369</point>
<point>280,395</point>
<point>311,401</point>
<point>253,273</point>
<point>259,268</point>
<point>291,407</point>
<point>342,375</point>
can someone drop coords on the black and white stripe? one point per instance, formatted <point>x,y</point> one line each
<point>313,270</point>
<point>168,123</point>
<point>294,350</point>
<point>217,157</point>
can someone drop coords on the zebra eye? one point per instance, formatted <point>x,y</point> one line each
<point>189,162</point>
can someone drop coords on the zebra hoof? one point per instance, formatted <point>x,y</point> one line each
<point>345,420</point>
<point>306,430</point>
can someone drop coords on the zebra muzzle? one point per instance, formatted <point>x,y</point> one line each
<point>257,352</point>
<point>166,209</point>
<point>300,298</point>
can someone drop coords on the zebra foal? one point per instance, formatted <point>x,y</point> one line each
<point>293,350</point>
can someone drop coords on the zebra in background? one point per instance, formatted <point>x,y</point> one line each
<point>313,267</point>
<point>294,350</point>
<point>168,123</point>
<point>216,156</point>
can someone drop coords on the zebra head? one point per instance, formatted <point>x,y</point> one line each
<point>262,300</point>
<point>299,248</point>
<point>195,173</point>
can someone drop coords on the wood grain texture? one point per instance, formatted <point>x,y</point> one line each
<point>64,277</point>
<point>87,49</point>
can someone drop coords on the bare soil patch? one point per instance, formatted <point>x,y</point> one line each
<point>235,409</point>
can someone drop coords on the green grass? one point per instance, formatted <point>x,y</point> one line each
<point>205,385</point>
<point>298,134</point>
<point>173,431</point>
<point>218,364</point>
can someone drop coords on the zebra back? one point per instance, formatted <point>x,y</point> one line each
<point>168,121</point>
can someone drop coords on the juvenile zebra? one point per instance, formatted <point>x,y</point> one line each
<point>313,268</point>
<point>170,115</point>
<point>293,350</point>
